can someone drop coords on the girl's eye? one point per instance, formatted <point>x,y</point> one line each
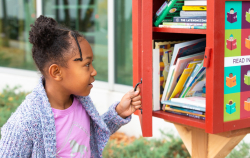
<point>87,64</point>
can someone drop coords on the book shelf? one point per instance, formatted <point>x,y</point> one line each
<point>143,34</point>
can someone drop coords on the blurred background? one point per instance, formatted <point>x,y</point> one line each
<point>107,25</point>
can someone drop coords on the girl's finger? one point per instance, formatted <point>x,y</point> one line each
<point>137,107</point>
<point>135,103</point>
<point>136,98</point>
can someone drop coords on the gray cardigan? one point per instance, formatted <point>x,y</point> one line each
<point>30,131</point>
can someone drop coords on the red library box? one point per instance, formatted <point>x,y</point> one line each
<point>219,62</point>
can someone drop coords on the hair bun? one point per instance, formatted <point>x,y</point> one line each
<point>43,33</point>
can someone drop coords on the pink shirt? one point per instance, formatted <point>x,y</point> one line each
<point>72,131</point>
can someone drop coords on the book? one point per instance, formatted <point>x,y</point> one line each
<point>247,16</point>
<point>197,88</point>
<point>181,111</point>
<point>192,13</point>
<point>156,80</point>
<point>196,69</point>
<point>183,24</point>
<point>194,3</point>
<point>180,66</point>
<point>192,19</point>
<point>179,86</point>
<point>192,81</point>
<point>189,115</point>
<point>160,10</point>
<point>188,110</point>
<point>188,48</point>
<point>232,17</point>
<point>194,8</point>
<point>183,27</point>
<point>168,83</point>
<point>168,10</point>
<point>192,101</point>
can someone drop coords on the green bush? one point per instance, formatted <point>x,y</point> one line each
<point>10,99</point>
<point>169,146</point>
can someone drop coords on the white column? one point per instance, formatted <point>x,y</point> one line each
<point>39,8</point>
<point>111,44</point>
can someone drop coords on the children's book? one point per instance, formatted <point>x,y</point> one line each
<point>200,73</point>
<point>196,73</point>
<point>188,110</point>
<point>180,66</point>
<point>194,101</point>
<point>187,48</point>
<point>232,17</point>
<point>180,111</point>
<point>189,115</point>
<point>203,8</point>
<point>182,24</point>
<point>197,87</point>
<point>231,45</point>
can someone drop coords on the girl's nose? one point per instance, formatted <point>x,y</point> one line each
<point>94,72</point>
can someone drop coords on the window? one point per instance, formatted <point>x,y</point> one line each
<point>89,17</point>
<point>15,19</point>
<point>123,42</point>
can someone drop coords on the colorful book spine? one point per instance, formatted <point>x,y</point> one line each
<point>194,7</point>
<point>188,110</point>
<point>193,13</point>
<point>160,10</point>
<point>197,19</point>
<point>184,24</point>
<point>183,27</point>
<point>189,115</point>
<point>181,111</point>
<point>164,13</point>
<point>187,106</point>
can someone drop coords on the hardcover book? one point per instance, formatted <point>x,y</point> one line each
<point>196,19</point>
<point>194,8</point>
<point>231,107</point>
<point>193,13</point>
<point>195,3</point>
<point>247,43</point>
<point>231,81</point>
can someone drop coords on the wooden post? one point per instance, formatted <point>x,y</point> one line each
<point>204,145</point>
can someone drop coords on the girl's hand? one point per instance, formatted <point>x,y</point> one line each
<point>130,102</point>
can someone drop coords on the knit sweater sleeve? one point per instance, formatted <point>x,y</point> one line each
<point>14,140</point>
<point>113,120</point>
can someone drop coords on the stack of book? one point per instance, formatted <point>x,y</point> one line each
<point>185,85</point>
<point>192,16</point>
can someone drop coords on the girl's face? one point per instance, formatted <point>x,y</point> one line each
<point>78,75</point>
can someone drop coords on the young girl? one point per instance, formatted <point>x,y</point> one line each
<point>58,119</point>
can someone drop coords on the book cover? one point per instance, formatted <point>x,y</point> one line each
<point>160,10</point>
<point>193,13</point>
<point>179,86</point>
<point>185,105</point>
<point>194,7</point>
<point>193,80</point>
<point>231,45</point>
<point>247,43</point>
<point>188,110</point>
<point>197,87</point>
<point>180,66</point>
<point>166,11</point>
<point>194,101</point>
<point>188,48</point>
<point>183,24</point>
<point>195,3</point>
<point>196,69</point>
<point>195,19</point>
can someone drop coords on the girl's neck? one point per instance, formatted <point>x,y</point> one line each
<point>58,97</point>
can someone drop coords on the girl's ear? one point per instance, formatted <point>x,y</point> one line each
<point>55,72</point>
